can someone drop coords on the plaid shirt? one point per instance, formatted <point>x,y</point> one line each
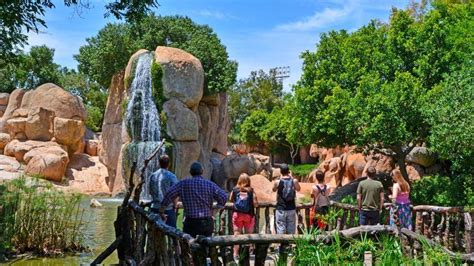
<point>197,195</point>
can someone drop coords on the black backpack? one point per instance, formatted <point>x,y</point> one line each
<point>288,192</point>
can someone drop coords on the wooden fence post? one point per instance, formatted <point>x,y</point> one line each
<point>367,258</point>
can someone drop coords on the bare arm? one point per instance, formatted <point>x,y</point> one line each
<point>275,185</point>
<point>297,184</point>
<point>359,201</point>
<point>395,189</point>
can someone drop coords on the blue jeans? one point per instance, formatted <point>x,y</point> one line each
<point>369,217</point>
<point>171,218</point>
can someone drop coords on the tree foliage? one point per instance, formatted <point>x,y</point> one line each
<point>261,92</point>
<point>30,70</point>
<point>366,87</point>
<point>109,51</point>
<point>18,16</point>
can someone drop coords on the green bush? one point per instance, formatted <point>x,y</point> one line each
<point>443,190</point>
<point>302,170</point>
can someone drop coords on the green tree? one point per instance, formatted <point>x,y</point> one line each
<point>30,70</point>
<point>18,16</point>
<point>261,91</point>
<point>366,87</point>
<point>109,51</point>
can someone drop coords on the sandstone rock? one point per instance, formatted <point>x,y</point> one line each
<point>69,132</point>
<point>54,98</point>
<point>14,103</point>
<point>181,122</point>
<point>86,174</point>
<point>8,164</point>
<point>263,188</point>
<point>18,149</point>
<point>49,166</point>
<point>110,149</point>
<point>415,172</point>
<point>92,146</point>
<point>223,126</point>
<point>89,134</point>
<point>4,98</point>
<point>183,75</point>
<point>16,128</point>
<point>2,109</point>
<point>383,164</point>
<point>184,154</point>
<point>42,150</point>
<point>4,139</point>
<point>20,112</point>
<point>353,164</point>
<point>422,156</point>
<point>39,124</point>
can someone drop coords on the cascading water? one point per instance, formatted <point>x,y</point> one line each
<point>142,122</point>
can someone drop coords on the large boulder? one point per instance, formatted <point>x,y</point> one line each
<point>4,139</point>
<point>382,163</point>
<point>4,98</point>
<point>184,154</point>
<point>184,75</point>
<point>69,132</point>
<point>54,98</point>
<point>92,146</point>
<point>422,156</point>
<point>181,122</point>
<point>2,109</point>
<point>18,149</point>
<point>8,164</point>
<point>48,166</point>
<point>42,150</point>
<point>16,128</point>
<point>14,102</point>
<point>86,174</point>
<point>39,124</point>
<point>263,188</point>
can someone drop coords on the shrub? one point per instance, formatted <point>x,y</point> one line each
<point>302,170</point>
<point>37,218</point>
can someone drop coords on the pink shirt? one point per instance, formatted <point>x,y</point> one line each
<point>403,198</point>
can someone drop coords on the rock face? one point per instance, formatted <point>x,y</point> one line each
<point>92,146</point>
<point>47,162</point>
<point>3,102</point>
<point>8,164</point>
<point>181,122</point>
<point>183,77</point>
<point>422,156</point>
<point>39,124</point>
<point>86,174</point>
<point>54,98</point>
<point>14,102</point>
<point>69,132</point>
<point>184,154</point>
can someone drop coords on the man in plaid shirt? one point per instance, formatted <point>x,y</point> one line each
<point>197,195</point>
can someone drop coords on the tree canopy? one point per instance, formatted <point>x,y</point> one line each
<point>366,87</point>
<point>109,51</point>
<point>18,16</point>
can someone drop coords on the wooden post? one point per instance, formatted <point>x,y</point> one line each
<point>344,220</point>
<point>457,235</point>
<point>351,219</point>
<point>307,218</point>
<point>230,228</point>
<point>199,254</point>
<point>367,258</point>
<point>468,232</point>
<point>418,222</point>
<point>267,220</point>
<point>261,254</point>
<point>214,256</point>
<point>256,228</point>
<point>446,231</point>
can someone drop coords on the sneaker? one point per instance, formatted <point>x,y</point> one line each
<point>236,259</point>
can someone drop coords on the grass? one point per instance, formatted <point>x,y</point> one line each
<point>35,217</point>
<point>302,170</point>
<point>386,250</point>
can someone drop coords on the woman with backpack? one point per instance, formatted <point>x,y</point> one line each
<point>321,200</point>
<point>400,213</point>
<point>245,202</point>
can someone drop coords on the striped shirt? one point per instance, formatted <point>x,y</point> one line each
<point>197,195</point>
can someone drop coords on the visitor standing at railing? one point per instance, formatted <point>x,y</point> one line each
<point>321,200</point>
<point>285,214</point>
<point>197,195</point>
<point>245,202</point>
<point>400,213</point>
<point>370,199</point>
<point>160,182</point>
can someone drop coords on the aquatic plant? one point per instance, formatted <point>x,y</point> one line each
<point>36,217</point>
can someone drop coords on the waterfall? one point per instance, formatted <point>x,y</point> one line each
<point>142,121</point>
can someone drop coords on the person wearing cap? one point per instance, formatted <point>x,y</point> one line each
<point>160,182</point>
<point>197,195</point>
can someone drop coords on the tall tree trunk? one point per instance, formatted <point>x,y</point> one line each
<point>400,156</point>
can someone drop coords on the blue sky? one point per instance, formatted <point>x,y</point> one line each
<point>258,34</point>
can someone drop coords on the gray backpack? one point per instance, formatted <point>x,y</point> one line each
<point>323,199</point>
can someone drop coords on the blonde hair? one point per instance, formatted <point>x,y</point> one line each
<point>243,182</point>
<point>397,176</point>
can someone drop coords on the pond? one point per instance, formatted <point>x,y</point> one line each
<point>99,234</point>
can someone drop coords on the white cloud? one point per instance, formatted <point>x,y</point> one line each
<point>319,20</point>
<point>213,14</point>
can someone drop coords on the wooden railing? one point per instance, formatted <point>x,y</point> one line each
<point>146,239</point>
